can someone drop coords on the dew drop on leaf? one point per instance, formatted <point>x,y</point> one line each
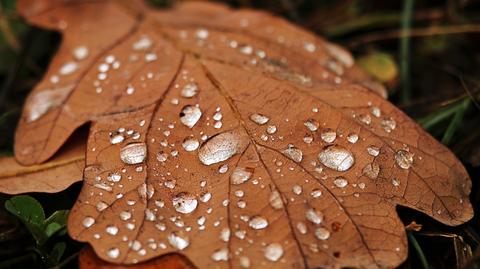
<point>322,233</point>
<point>88,222</point>
<point>404,159</point>
<point>314,216</point>
<point>340,182</point>
<point>189,90</point>
<point>133,153</point>
<point>178,241</point>
<point>184,203</point>
<point>190,144</point>
<point>293,154</point>
<point>221,147</point>
<point>273,252</point>
<point>259,118</point>
<point>190,115</point>
<point>258,223</point>
<point>337,158</point>
<point>240,175</point>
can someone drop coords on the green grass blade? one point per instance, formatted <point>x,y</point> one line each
<point>418,250</point>
<point>405,50</point>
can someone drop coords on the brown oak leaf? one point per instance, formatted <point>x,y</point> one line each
<point>231,137</point>
<point>55,175</point>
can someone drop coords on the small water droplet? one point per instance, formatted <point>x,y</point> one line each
<point>340,182</point>
<point>202,33</point>
<point>190,115</point>
<point>133,153</point>
<point>302,227</point>
<point>189,90</point>
<point>88,222</point>
<point>273,252</point>
<point>125,215</point>
<point>404,159</point>
<point>322,233</point>
<point>80,53</point>
<point>275,200</point>
<point>244,262</point>
<point>373,151</point>
<point>271,129</point>
<point>240,175</point>
<point>314,216</point>
<point>68,68</point>
<point>220,255</point>
<point>297,189</point>
<point>395,182</point>
<point>258,223</point>
<point>371,170</point>
<point>293,153</point>
<point>316,193</point>
<point>311,124</point>
<point>352,138</point>
<point>184,202</point>
<point>190,144</point>
<point>388,124</point>
<point>114,177</point>
<point>178,241</point>
<point>309,46</point>
<point>116,138</point>
<point>113,253</point>
<point>328,135</point>
<point>259,118</point>
<point>142,44</point>
<point>112,230</point>
<point>337,158</point>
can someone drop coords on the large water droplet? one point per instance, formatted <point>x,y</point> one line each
<point>184,203</point>
<point>190,115</point>
<point>258,223</point>
<point>222,147</point>
<point>133,153</point>
<point>337,158</point>
<point>240,175</point>
<point>404,159</point>
<point>273,252</point>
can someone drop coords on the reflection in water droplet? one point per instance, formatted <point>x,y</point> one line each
<point>340,182</point>
<point>190,144</point>
<point>133,153</point>
<point>258,223</point>
<point>240,175</point>
<point>178,241</point>
<point>371,170</point>
<point>404,159</point>
<point>259,118</point>
<point>273,252</point>
<point>221,147</point>
<point>184,203</point>
<point>337,158</point>
<point>389,124</point>
<point>322,233</point>
<point>365,119</point>
<point>314,216</point>
<point>189,90</point>
<point>190,115</point>
<point>220,255</point>
<point>293,153</point>
<point>328,135</point>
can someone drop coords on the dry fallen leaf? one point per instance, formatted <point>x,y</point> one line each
<point>64,169</point>
<point>231,137</point>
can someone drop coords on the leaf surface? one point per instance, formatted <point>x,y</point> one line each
<point>231,137</point>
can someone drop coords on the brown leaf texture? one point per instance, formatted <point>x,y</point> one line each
<point>55,175</point>
<point>232,138</point>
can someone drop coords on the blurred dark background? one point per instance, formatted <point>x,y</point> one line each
<point>427,53</point>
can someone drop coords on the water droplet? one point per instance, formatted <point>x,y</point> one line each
<point>273,252</point>
<point>80,53</point>
<point>365,119</point>
<point>297,189</point>
<point>322,233</point>
<point>190,115</point>
<point>225,234</point>
<point>395,182</point>
<point>309,46</point>
<point>371,170</point>
<point>240,175</point>
<point>302,228</point>
<point>244,262</point>
<point>352,138</point>
<point>101,206</point>
<point>275,200</point>
<point>376,111</point>
<point>271,129</point>
<point>116,138</point>
<point>314,216</point>
<point>340,54</point>
<point>42,102</point>
<point>259,118</point>
<point>258,223</point>
<point>178,241</point>
<point>133,153</point>
<point>88,222</point>
<point>162,157</point>
<point>113,253</point>
<point>68,68</point>
<point>220,255</point>
<point>374,151</point>
<point>189,90</point>
<point>311,124</point>
<point>190,144</point>
<point>340,182</point>
<point>404,159</point>
<point>205,197</point>
<point>293,153</point>
<point>202,33</point>
<point>222,147</point>
<point>112,230</point>
<point>337,158</point>
<point>184,203</point>
<point>114,177</point>
<point>142,44</point>
<point>316,193</point>
<point>328,135</point>
<point>388,124</point>
<point>125,215</point>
